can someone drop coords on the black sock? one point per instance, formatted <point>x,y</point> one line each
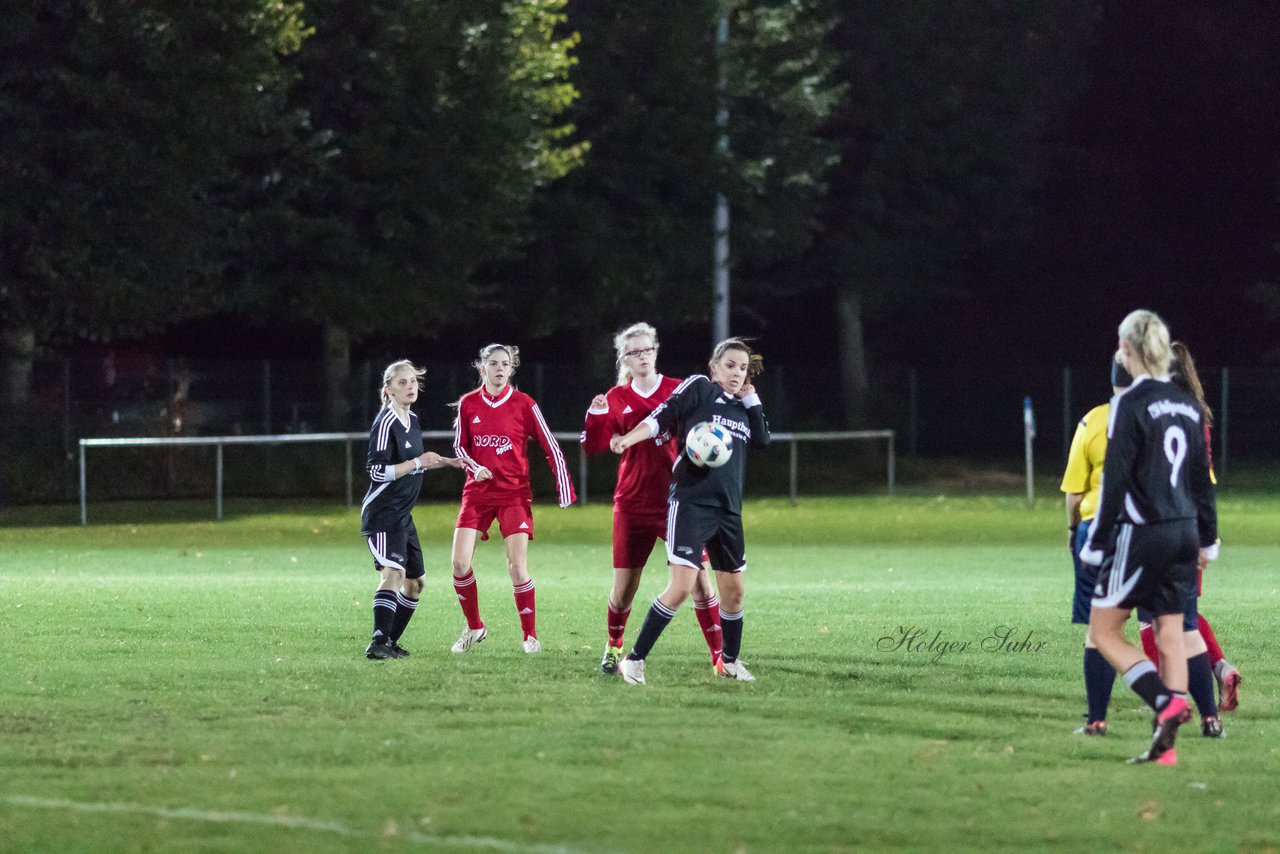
<point>384,613</point>
<point>1200,684</point>
<point>730,636</point>
<point>1146,683</point>
<point>1099,676</point>
<point>404,613</point>
<point>654,622</point>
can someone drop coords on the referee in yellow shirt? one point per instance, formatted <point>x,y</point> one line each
<point>1082,484</point>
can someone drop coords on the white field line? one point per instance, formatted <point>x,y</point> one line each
<point>295,822</point>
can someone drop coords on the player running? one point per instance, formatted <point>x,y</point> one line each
<point>705,508</point>
<point>395,462</point>
<point>491,436</point>
<point>1156,522</point>
<point>644,481</point>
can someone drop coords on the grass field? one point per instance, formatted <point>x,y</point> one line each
<point>174,684</point>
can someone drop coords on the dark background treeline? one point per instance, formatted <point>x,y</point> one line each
<point>976,187</point>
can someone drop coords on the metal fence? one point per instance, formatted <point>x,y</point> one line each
<point>348,440</point>
<point>953,412</point>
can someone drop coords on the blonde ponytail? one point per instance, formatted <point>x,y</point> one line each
<point>1148,336</point>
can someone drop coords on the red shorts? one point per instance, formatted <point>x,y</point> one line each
<point>633,537</point>
<point>516,518</point>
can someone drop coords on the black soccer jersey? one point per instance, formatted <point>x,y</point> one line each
<point>698,399</point>
<point>1157,463</point>
<point>390,500</point>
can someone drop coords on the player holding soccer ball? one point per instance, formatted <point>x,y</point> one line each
<point>394,462</point>
<point>491,436</point>
<point>644,480</point>
<point>705,508</point>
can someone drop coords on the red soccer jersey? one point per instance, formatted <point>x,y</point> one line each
<point>495,433</point>
<point>644,475</point>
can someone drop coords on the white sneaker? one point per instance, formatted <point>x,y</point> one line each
<point>632,671</point>
<point>532,645</point>
<point>735,670</point>
<point>469,638</point>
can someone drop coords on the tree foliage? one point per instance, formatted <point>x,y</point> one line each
<point>630,234</point>
<point>423,131</point>
<point>121,125</point>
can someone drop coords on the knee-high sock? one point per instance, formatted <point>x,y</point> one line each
<point>526,608</point>
<point>384,613</point>
<point>1148,636</point>
<point>468,598</point>
<point>404,613</point>
<point>655,621</point>
<point>1200,684</point>
<point>617,624</point>
<point>1099,676</point>
<point>731,628</point>
<point>1210,641</point>
<point>708,614</point>
<point>1147,684</point>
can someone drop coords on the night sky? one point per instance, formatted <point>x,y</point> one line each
<point>1166,193</point>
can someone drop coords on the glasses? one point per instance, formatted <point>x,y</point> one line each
<point>644,351</point>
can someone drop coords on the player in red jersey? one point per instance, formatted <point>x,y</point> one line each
<point>491,437</point>
<point>644,484</point>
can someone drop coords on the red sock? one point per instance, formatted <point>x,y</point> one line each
<point>708,614</point>
<point>617,624</point>
<point>527,610</point>
<point>1148,636</point>
<point>468,598</point>
<point>1206,632</point>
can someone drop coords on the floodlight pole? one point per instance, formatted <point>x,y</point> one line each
<point>720,285</point>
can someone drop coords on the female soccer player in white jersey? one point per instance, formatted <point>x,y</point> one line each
<point>705,509</point>
<point>1156,520</point>
<point>491,437</point>
<point>644,482</point>
<point>395,462</point>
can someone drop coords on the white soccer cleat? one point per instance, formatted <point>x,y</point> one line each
<point>469,638</point>
<point>632,671</point>
<point>531,645</point>
<point>735,670</point>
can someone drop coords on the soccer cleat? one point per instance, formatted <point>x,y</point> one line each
<point>1169,757</point>
<point>609,664</point>
<point>1211,727</point>
<point>1173,715</point>
<point>735,670</point>
<point>469,638</point>
<point>1228,688</point>
<point>632,670</point>
<point>717,664</point>
<point>379,650</point>
<point>531,645</point>
<point>397,651</point>
<point>1092,728</point>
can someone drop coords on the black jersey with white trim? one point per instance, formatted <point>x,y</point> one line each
<point>1157,463</point>
<point>698,399</point>
<point>390,500</point>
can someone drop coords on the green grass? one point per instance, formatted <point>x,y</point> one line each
<point>171,683</point>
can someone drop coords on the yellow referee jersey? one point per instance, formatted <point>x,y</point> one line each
<point>1084,462</point>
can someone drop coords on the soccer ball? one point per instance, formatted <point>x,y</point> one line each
<point>708,445</point>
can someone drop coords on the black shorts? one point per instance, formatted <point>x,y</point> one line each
<point>691,528</point>
<point>1151,567</point>
<point>399,550</point>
